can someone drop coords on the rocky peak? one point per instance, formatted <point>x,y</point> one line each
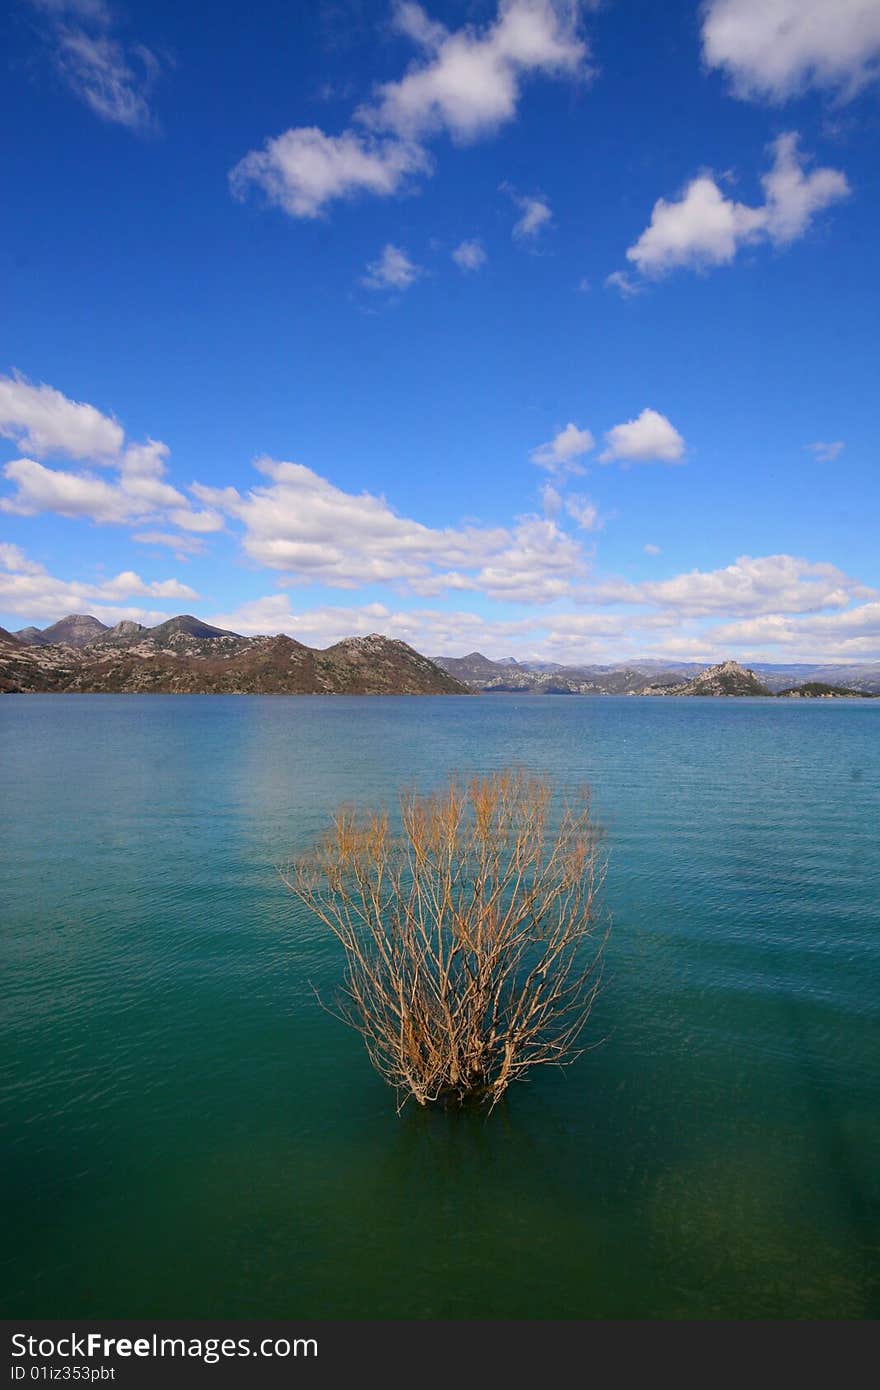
<point>727,678</point>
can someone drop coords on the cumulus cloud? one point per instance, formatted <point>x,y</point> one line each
<point>827,452</point>
<point>561,453</point>
<point>12,557</point>
<point>469,255</point>
<point>854,633</point>
<point>752,585</point>
<point>27,589</point>
<point>468,82</point>
<point>651,549</point>
<point>302,525</point>
<point>757,603</point>
<point>43,421</point>
<point>776,49</point>
<point>537,566</point>
<point>41,489</point>
<point>464,83</point>
<point>393,270</point>
<point>705,228</point>
<point>113,79</point>
<point>303,170</point>
<point>649,438</point>
<point>133,497</point>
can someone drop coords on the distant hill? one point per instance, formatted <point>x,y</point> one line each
<point>188,626</point>
<point>549,677</point>
<point>820,690</point>
<point>644,675</point>
<point>186,656</point>
<point>727,678</point>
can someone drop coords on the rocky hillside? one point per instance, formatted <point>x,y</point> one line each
<point>728,678</point>
<point>186,656</point>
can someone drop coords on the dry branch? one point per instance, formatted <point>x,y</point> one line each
<point>470,938</point>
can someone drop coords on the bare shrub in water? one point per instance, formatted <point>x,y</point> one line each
<point>470,939</point>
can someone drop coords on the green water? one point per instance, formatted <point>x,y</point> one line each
<point>186,1132</point>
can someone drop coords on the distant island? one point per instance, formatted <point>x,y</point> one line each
<point>79,654</point>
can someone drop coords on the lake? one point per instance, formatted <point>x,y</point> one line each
<point>186,1132</point>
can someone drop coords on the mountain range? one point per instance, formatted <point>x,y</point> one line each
<point>649,676</point>
<point>185,655</point>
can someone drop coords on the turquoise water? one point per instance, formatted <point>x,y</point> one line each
<point>186,1131</point>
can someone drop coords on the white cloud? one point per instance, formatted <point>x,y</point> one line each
<point>43,421</point>
<point>827,452</point>
<point>651,549</point>
<point>468,83</point>
<point>575,637</point>
<point>701,228</point>
<point>750,586</point>
<point>41,489</point>
<point>647,439</point>
<point>304,526</point>
<point>114,80</point>
<point>429,630</point>
<point>561,453</point>
<point>135,497</point>
<point>469,255</point>
<point>537,566</point>
<point>776,49</point>
<point>27,589</point>
<point>705,228</point>
<point>12,557</point>
<point>465,83</point>
<point>303,170</point>
<point>183,546</point>
<point>433,631</point>
<point>393,270</point>
<point>189,519</point>
<point>551,499</point>
<point>792,197</point>
<point>625,284</point>
<point>853,634</point>
<point>535,215</point>
<point>128,584</point>
<point>583,511</point>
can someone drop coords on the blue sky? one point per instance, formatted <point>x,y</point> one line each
<point>539,328</point>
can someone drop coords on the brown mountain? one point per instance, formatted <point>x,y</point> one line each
<point>185,656</point>
<point>76,630</point>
